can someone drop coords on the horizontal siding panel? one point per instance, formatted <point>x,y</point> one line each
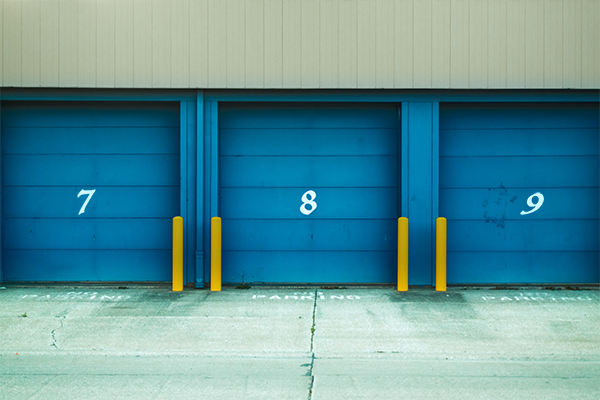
<point>523,267</point>
<point>92,170</point>
<point>522,116</point>
<point>319,142</point>
<point>313,171</point>
<point>525,235</point>
<point>106,202</point>
<point>520,142</point>
<point>309,267</point>
<point>99,265</point>
<point>332,203</point>
<point>89,140</point>
<point>507,204</point>
<point>306,235</point>
<point>543,172</point>
<point>87,234</point>
<point>307,116</point>
<point>83,114</point>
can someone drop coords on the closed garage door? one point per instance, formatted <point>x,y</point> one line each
<point>309,193</point>
<point>89,190</point>
<point>519,186</point>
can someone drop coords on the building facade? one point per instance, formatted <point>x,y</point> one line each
<point>309,127</point>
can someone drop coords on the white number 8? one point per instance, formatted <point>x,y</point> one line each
<point>308,201</point>
<point>535,206</point>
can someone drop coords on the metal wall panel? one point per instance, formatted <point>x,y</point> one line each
<point>476,44</point>
<point>31,43</point>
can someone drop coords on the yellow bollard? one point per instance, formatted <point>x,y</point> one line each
<point>440,254</point>
<point>215,254</point>
<point>402,254</point>
<point>177,254</point>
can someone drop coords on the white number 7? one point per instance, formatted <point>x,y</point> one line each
<point>90,193</point>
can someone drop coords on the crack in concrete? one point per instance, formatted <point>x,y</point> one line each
<point>62,324</point>
<point>312,353</point>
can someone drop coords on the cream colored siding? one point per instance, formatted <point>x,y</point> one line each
<point>404,44</point>
<point>515,35</point>
<point>440,56</point>
<point>347,36</point>
<point>292,44</point>
<point>458,44</point>
<point>310,42</point>
<point>105,48</point>
<point>31,62</point>
<point>124,43</point>
<point>198,22</point>
<point>478,44</point>
<point>571,61</point>
<point>497,44</point>
<point>273,39</point>
<point>329,45</point>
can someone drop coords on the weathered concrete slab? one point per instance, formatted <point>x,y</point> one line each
<point>516,325</point>
<point>296,343</point>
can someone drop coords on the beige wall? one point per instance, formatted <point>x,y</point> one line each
<point>300,43</point>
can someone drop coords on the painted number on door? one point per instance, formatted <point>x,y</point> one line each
<point>90,193</point>
<point>536,206</point>
<point>308,199</point>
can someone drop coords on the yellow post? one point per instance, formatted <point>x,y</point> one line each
<point>440,254</point>
<point>177,254</point>
<point>402,254</point>
<point>215,254</point>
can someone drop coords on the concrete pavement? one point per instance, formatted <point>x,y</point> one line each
<point>298,343</point>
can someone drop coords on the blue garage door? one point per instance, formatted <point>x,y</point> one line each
<point>309,193</point>
<point>519,186</point>
<point>89,190</point>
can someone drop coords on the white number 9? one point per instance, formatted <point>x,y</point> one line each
<point>535,206</point>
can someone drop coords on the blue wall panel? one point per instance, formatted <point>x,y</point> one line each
<point>493,158</point>
<point>420,186</point>
<point>127,152</point>
<point>271,154</point>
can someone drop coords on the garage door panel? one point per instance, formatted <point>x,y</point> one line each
<point>91,234</point>
<point>99,265</point>
<point>503,235</point>
<point>307,116</point>
<point>271,154</point>
<point>315,235</point>
<point>281,203</point>
<point>294,142</point>
<point>518,115</point>
<point>317,171</point>
<point>92,114</point>
<point>128,153</point>
<point>522,267</point>
<point>309,267</point>
<point>520,142</point>
<point>62,202</point>
<point>519,172</point>
<point>90,140</point>
<point>91,170</point>
<point>494,158</point>
<point>508,203</point>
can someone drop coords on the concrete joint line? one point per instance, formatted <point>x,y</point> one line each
<point>312,353</point>
<point>62,324</point>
